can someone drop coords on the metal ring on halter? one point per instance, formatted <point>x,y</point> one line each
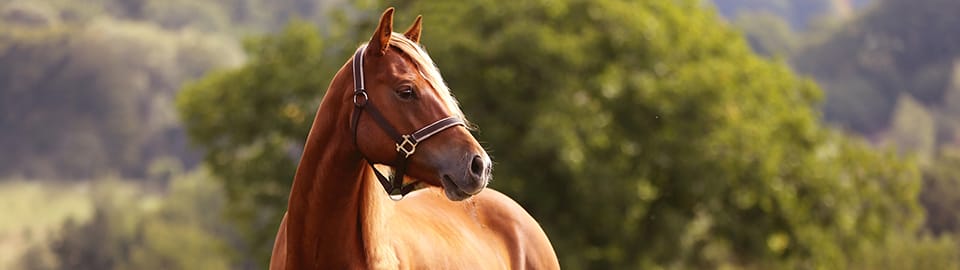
<point>363,100</point>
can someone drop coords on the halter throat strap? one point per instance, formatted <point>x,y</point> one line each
<point>406,144</point>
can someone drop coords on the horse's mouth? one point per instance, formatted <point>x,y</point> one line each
<point>452,190</point>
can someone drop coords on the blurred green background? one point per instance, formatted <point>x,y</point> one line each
<point>667,134</point>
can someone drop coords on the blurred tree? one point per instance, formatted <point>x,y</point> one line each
<point>105,241</point>
<point>941,193</point>
<point>30,14</point>
<point>767,33</point>
<point>892,74</point>
<point>798,13</point>
<point>95,79</point>
<point>855,105</point>
<point>252,138</point>
<point>911,252</point>
<point>690,135</point>
<point>76,102</point>
<point>131,229</point>
<point>912,129</point>
<point>649,120</point>
<point>201,15</point>
<point>899,46</point>
<point>187,231</point>
<point>949,116</point>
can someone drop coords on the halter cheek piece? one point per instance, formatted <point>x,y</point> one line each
<point>406,144</point>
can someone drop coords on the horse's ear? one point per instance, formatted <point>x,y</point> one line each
<point>381,38</point>
<point>413,33</point>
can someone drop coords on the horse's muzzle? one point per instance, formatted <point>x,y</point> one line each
<point>469,179</point>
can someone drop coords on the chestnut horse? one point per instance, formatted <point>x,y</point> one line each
<point>339,216</point>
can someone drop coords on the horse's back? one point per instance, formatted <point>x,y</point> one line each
<point>486,223</point>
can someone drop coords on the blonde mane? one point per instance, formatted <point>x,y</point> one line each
<point>429,71</point>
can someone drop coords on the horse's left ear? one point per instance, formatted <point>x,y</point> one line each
<point>381,38</point>
<point>413,33</point>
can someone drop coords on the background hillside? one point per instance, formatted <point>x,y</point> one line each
<point>674,134</point>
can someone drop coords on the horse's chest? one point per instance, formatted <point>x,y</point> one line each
<point>450,251</point>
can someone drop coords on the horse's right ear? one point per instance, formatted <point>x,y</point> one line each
<point>381,37</point>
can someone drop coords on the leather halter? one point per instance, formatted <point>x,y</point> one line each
<point>406,144</point>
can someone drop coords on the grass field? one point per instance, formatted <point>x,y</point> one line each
<point>32,211</point>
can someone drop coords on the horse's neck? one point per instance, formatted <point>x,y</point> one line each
<point>376,211</point>
<point>337,209</point>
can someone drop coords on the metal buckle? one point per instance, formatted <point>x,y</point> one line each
<point>363,98</point>
<point>407,146</point>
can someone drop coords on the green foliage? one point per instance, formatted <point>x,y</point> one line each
<point>131,229</point>
<point>179,14</point>
<point>263,113</point>
<point>186,231</point>
<point>231,16</point>
<point>25,229</point>
<point>939,196</point>
<point>891,74</point>
<point>912,129</point>
<point>650,120</point>
<point>103,242</point>
<point>96,78</point>
<point>102,91</point>
<point>949,116</point>
<point>689,135</point>
<point>768,34</point>
<point>897,47</point>
<point>911,252</point>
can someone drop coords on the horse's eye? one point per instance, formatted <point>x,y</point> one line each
<point>406,93</point>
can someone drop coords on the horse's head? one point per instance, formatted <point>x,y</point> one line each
<point>402,90</point>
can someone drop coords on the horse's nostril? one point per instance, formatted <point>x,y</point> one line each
<point>476,166</point>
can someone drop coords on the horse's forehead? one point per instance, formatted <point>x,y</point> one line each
<point>397,65</point>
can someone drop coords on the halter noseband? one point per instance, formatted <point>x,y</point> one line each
<point>406,144</point>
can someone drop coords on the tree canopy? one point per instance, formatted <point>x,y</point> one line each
<point>70,89</point>
<point>97,78</point>
<point>896,47</point>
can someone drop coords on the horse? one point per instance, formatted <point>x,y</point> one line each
<point>389,106</point>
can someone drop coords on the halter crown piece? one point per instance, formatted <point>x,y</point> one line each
<point>406,144</point>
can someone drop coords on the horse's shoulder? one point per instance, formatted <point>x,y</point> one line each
<point>521,230</point>
<point>502,206</point>
<point>494,214</point>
